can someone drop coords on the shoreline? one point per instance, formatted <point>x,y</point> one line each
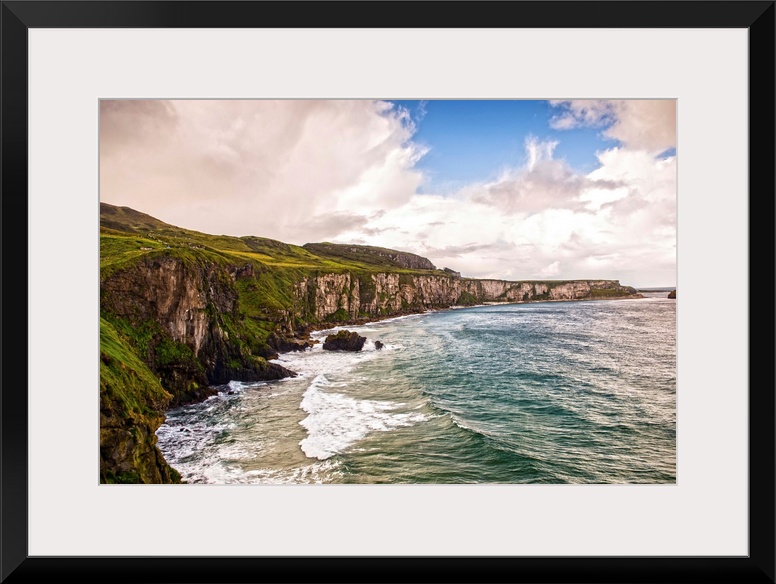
<point>404,314</point>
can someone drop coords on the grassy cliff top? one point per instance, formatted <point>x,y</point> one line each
<point>371,255</point>
<point>127,235</point>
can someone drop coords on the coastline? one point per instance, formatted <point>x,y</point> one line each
<point>220,389</point>
<point>351,397</point>
<point>306,337</point>
<point>404,314</point>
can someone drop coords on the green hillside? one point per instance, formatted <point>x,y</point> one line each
<point>126,235</point>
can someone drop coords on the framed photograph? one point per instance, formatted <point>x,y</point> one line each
<point>472,297</point>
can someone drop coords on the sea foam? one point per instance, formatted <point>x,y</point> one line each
<point>336,421</point>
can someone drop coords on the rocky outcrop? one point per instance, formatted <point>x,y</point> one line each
<point>184,317</point>
<point>379,345</point>
<point>128,451</point>
<point>286,345</point>
<point>344,341</point>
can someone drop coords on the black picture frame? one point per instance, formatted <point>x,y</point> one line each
<point>19,16</point>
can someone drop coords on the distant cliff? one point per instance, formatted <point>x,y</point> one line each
<point>350,297</point>
<point>182,311</point>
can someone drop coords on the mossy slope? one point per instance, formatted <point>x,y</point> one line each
<point>132,401</point>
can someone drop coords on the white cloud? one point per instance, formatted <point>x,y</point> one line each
<point>551,271</point>
<point>256,167</point>
<point>640,124</point>
<point>346,171</point>
<point>542,183</point>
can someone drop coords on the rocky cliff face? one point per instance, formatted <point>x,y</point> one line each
<point>170,330</point>
<point>175,295</point>
<point>128,451</point>
<point>183,313</point>
<point>188,325</point>
<point>348,297</point>
<point>132,402</point>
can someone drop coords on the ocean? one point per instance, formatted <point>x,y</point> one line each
<point>546,392</point>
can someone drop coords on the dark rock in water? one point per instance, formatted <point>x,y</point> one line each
<point>378,345</point>
<point>268,353</point>
<point>257,370</point>
<point>285,345</point>
<point>230,392</point>
<point>672,294</point>
<point>344,341</point>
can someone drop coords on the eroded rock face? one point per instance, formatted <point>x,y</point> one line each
<point>344,341</point>
<point>173,294</point>
<point>189,303</point>
<point>132,404</point>
<point>128,451</point>
<point>346,297</point>
<point>570,291</point>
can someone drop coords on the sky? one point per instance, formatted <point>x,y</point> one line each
<point>507,189</point>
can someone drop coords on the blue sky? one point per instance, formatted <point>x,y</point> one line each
<point>475,140</point>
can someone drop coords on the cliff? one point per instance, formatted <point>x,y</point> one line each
<point>132,401</point>
<point>347,298</point>
<point>184,318</point>
<point>183,311</point>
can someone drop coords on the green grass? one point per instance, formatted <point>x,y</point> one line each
<point>170,353</point>
<point>363,255</point>
<point>406,280</point>
<point>125,379</point>
<point>127,236</point>
<point>467,299</point>
<point>120,248</point>
<point>339,315</point>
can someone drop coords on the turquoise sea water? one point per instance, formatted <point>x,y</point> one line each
<point>555,392</point>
